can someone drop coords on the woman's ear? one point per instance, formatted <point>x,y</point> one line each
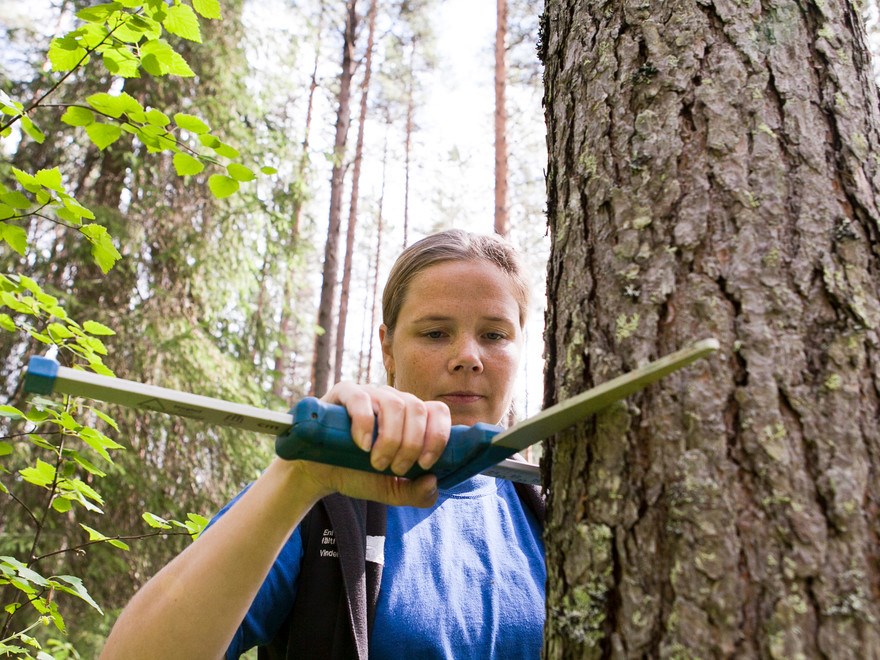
<point>387,357</point>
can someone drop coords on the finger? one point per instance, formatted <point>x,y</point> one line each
<point>394,491</point>
<point>391,410</point>
<point>412,440</point>
<point>438,426</point>
<point>359,405</point>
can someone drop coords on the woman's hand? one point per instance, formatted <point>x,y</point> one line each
<point>411,431</point>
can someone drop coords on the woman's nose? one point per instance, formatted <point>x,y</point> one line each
<point>466,356</point>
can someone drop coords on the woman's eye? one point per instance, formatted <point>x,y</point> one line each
<point>494,336</point>
<point>434,334</point>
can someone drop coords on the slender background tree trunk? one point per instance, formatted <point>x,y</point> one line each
<point>355,192</point>
<point>502,219</point>
<point>321,369</point>
<point>713,171</point>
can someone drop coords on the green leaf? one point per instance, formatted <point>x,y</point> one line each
<point>185,164</point>
<point>210,141</point>
<point>99,442</point>
<point>104,252</point>
<point>191,123</point>
<point>76,116</point>
<point>15,199</point>
<point>6,211</point>
<point>58,332</point>
<point>5,448</point>
<point>15,237</point>
<point>27,181</point>
<point>207,8</point>
<point>268,170</point>
<point>222,186</point>
<point>97,13</point>
<point>226,151</point>
<point>50,179</point>
<point>95,328</point>
<point>62,504</point>
<point>114,105</point>
<point>182,21</point>
<point>103,135</point>
<point>240,172</point>
<point>65,53</point>
<point>122,62</point>
<point>7,323</point>
<point>157,118</point>
<point>77,589</point>
<point>159,59</point>
<point>32,130</point>
<point>11,411</point>
<point>155,521</point>
<point>104,416</point>
<point>116,543</point>
<point>42,474</point>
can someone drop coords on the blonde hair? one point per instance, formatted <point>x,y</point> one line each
<point>451,245</point>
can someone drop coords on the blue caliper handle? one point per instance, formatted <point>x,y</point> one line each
<point>321,432</point>
<point>40,376</point>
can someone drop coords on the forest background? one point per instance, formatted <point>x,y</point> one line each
<point>166,188</point>
<point>169,185</point>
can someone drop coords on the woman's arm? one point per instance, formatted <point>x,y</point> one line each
<point>194,605</point>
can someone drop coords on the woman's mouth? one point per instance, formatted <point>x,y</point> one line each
<point>460,398</point>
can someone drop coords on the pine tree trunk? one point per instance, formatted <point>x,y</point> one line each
<point>502,221</point>
<point>324,340</point>
<point>713,172</point>
<point>286,327</point>
<point>407,146</point>
<point>355,192</point>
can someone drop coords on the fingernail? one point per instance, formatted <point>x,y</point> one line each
<point>366,441</point>
<point>427,460</point>
<point>380,463</point>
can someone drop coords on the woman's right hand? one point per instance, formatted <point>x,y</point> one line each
<point>410,431</point>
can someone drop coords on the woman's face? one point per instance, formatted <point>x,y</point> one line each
<point>458,340</point>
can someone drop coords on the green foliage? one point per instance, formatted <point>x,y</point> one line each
<point>57,457</point>
<point>128,36</point>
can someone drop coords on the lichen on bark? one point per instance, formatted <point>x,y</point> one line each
<point>713,171</point>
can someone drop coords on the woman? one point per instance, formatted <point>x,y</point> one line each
<point>462,576</point>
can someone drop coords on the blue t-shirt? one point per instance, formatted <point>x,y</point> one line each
<point>462,579</point>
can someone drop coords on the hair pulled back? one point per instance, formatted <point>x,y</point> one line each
<point>451,245</point>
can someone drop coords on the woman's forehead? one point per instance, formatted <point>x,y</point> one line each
<point>462,285</point>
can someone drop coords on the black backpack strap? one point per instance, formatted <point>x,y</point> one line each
<point>377,519</point>
<point>534,499</point>
<point>338,587</point>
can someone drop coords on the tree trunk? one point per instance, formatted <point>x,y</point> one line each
<point>355,191</point>
<point>713,172</point>
<point>286,328</point>
<point>407,146</point>
<point>324,338</point>
<point>502,221</point>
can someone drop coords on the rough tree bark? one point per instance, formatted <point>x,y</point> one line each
<point>324,339</point>
<point>713,171</point>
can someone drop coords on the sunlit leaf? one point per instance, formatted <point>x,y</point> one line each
<point>65,53</point>
<point>207,8</point>
<point>156,521</point>
<point>15,237</point>
<point>185,164</point>
<point>76,116</point>
<point>182,21</point>
<point>240,172</point>
<point>32,130</point>
<point>50,178</point>
<point>159,59</point>
<point>222,186</point>
<point>103,135</point>
<point>95,328</point>
<point>191,123</point>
